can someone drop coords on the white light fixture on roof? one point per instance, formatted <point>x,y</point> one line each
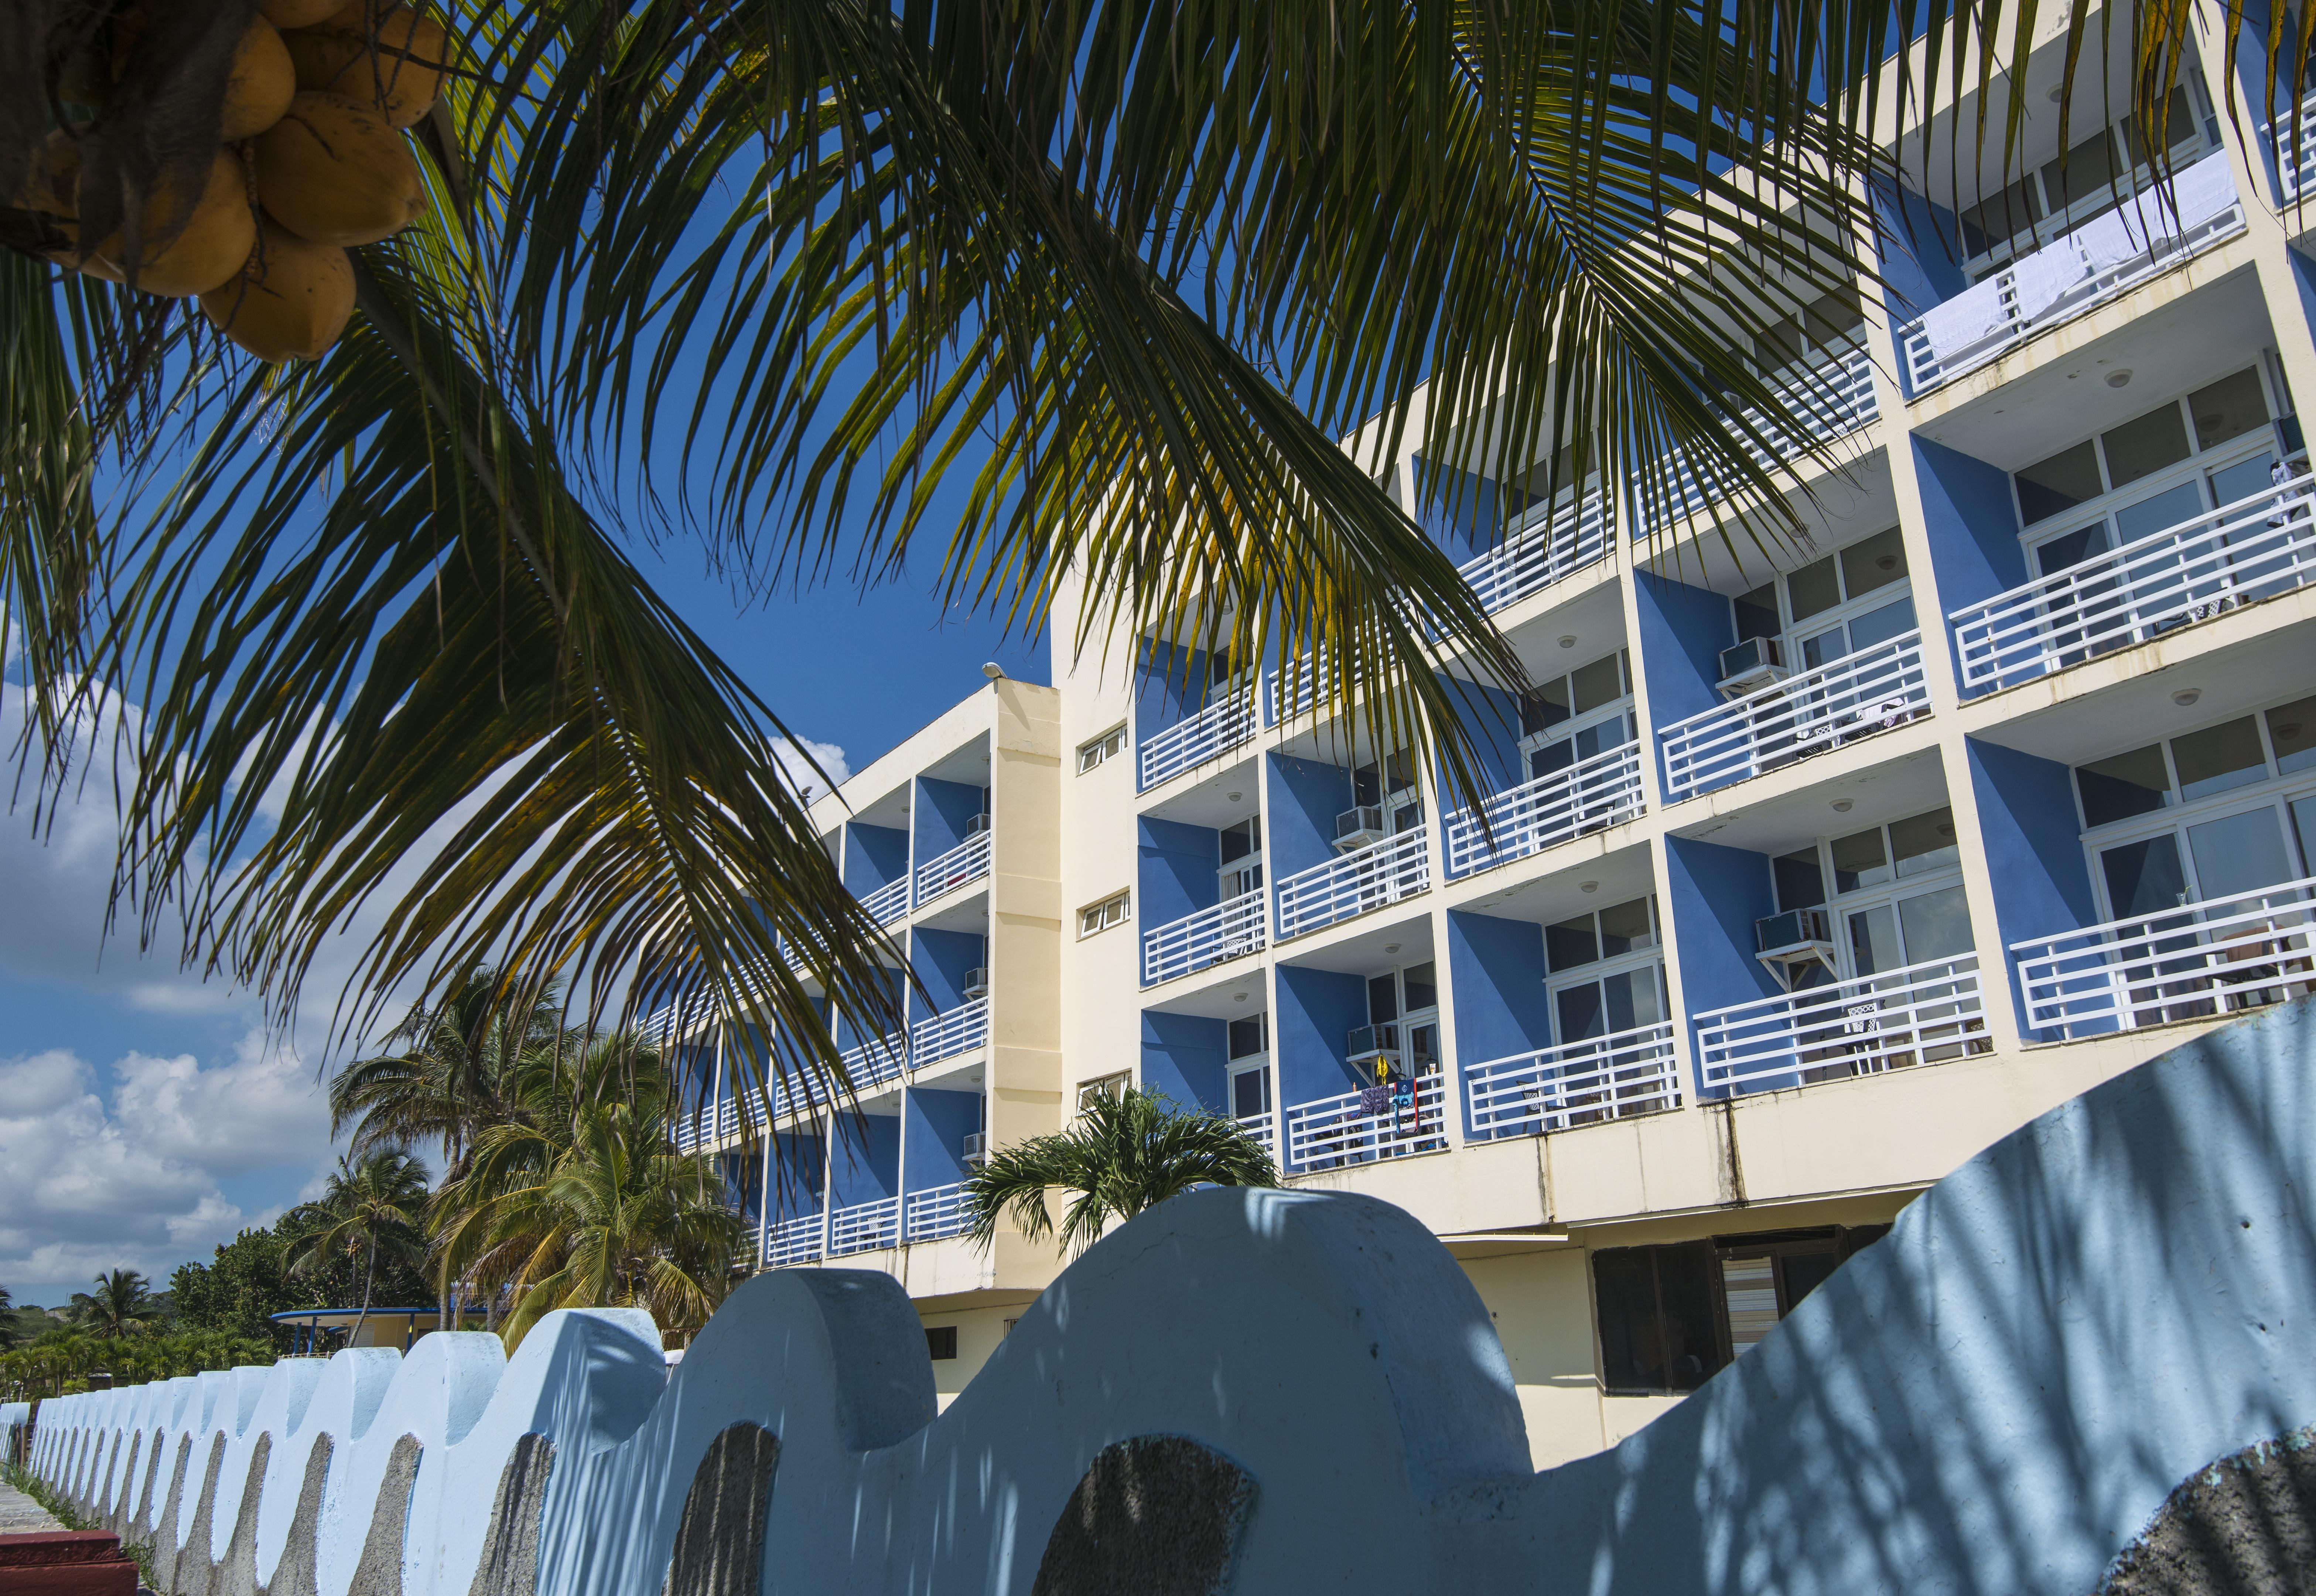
<point>994,670</point>
<point>1843,806</point>
<point>1588,886</point>
<point>2120,378</point>
<point>2187,696</point>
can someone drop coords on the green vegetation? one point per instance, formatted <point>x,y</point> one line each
<point>1121,1155</point>
<point>371,1208</point>
<point>62,1512</point>
<point>122,1305</point>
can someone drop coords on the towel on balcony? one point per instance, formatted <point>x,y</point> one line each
<point>2202,192</point>
<point>1955,325</point>
<point>2042,278</point>
<point>2115,239</point>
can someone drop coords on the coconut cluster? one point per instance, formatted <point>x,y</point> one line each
<point>314,161</point>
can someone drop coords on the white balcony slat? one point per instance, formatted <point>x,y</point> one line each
<point>865,1226</point>
<point>1333,1131</point>
<point>2199,961</point>
<point>931,1215</point>
<point>1926,1013</point>
<point>1220,726</point>
<point>1354,883</point>
<point>1608,1077</point>
<point>1264,1129</point>
<point>1588,796</point>
<point>2254,548</point>
<point>2295,169</point>
<point>1831,399</point>
<point>2106,256</point>
<point>945,1035</point>
<point>1539,551</point>
<point>889,901</point>
<point>1870,690</point>
<point>1231,928</point>
<point>793,1241</point>
<point>968,862</point>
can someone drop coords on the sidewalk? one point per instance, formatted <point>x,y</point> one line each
<point>21,1515</point>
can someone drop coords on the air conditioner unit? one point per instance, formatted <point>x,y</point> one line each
<point>976,1149</point>
<point>1791,942</point>
<point>1375,1041</point>
<point>1356,828</point>
<point>1751,666</point>
<point>976,825</point>
<point>976,983</point>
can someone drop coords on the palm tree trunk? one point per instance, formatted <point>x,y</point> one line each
<point>369,1274</point>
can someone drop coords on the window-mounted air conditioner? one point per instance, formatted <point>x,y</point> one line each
<point>976,1149</point>
<point>1794,942</point>
<point>1375,1041</point>
<point>976,983</point>
<point>976,825</point>
<point>1751,666</point>
<point>1356,828</point>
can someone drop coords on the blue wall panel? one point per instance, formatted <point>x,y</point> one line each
<point>1184,1056</point>
<point>866,1162</point>
<point>1717,892</point>
<point>1683,630</point>
<point>939,1123</point>
<point>943,811</point>
<point>874,855</point>
<point>1310,1033</point>
<point>1178,869</point>
<point>1306,797</point>
<point>941,959</point>
<point>1971,524</point>
<point>1495,972</point>
<point>1918,260</point>
<point>2034,850</point>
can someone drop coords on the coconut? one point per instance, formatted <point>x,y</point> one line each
<point>290,304</point>
<point>219,230</point>
<point>400,75</point>
<point>297,13</point>
<point>260,85</point>
<point>333,172</point>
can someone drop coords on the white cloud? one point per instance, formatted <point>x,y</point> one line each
<point>833,772</point>
<point>88,1185</point>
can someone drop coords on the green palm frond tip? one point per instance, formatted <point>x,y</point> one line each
<point>1122,1155</point>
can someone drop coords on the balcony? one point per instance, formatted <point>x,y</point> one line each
<point>2295,169</point>
<point>1539,552</point>
<point>1629,1072</point>
<point>931,1215</point>
<point>865,1226</point>
<point>2114,253</point>
<point>1353,883</point>
<point>873,1063</point>
<point>944,1036</point>
<point>1264,1129</point>
<point>1220,726</point>
<point>1831,400</point>
<point>1363,1125</point>
<point>1925,1013</point>
<point>968,862</point>
<point>1590,796</point>
<point>889,901</point>
<point>2254,548</point>
<point>793,1241</point>
<point>1295,691</point>
<point>2201,961</point>
<point>1871,690</point>
<point>1231,928</point>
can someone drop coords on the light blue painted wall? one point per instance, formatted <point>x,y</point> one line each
<point>1918,250</point>
<point>1683,631</point>
<point>939,1123</point>
<point>864,1162</point>
<point>1714,893</point>
<point>941,959</point>
<point>1178,868</point>
<point>1495,972</point>
<point>799,1174</point>
<point>1972,525</point>
<point>1186,1057</point>
<point>941,813</point>
<point>2034,850</point>
<point>874,856</point>
<point>1310,1032</point>
<point>1305,798</point>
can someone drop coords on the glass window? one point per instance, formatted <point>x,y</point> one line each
<point>1879,626</point>
<point>1859,860</point>
<point>1551,757</point>
<point>2228,409</point>
<point>1779,345</point>
<point>1874,940</point>
<point>1248,1036</point>
<point>2147,443</point>
<point>2219,757</point>
<point>1876,562</point>
<point>1659,1319</point>
<point>1625,928</point>
<point>2242,480</point>
<point>1250,1093</point>
<point>1382,999</point>
<point>2054,485</point>
<point>1570,943</point>
<point>2292,727</point>
<point>1242,839</point>
<point>2013,211</point>
<point>1757,613</point>
<point>2239,853</point>
<point>1579,1012</point>
<point>1597,684</point>
<point>2177,124</point>
<point>1546,707</point>
<point>1936,925</point>
<point>2081,172</point>
<point>1101,749</point>
<point>1101,916</point>
<point>1814,589</point>
<point>1835,317</point>
<point>2153,514</point>
<point>2143,877</point>
<point>1631,996</point>
<point>1422,983</point>
<point>1924,842</point>
<point>1800,883</point>
<point>2071,549</point>
<point>2304,822</point>
<point>2133,783</point>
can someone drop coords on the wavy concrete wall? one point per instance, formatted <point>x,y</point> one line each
<point>2083,1361</point>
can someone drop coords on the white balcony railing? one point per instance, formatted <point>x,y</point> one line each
<point>1630,1072</point>
<point>1295,691</point>
<point>865,1226</point>
<point>873,1063</point>
<point>1361,1126</point>
<point>889,901</point>
<point>1870,690</point>
<point>1588,796</point>
<point>1541,551</point>
<point>968,862</point>
<point>793,1241</point>
<point>1221,725</point>
<point>2150,233</point>
<point>1925,1013</point>
<point>1353,883</point>
<point>929,1216</point>
<point>2198,961</point>
<point>960,1029</point>
<point>1231,928</point>
<point>2295,169</point>
<point>1264,1129</point>
<point>1830,399</point>
<point>2253,549</point>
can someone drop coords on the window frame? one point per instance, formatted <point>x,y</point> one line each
<point>1624,709</point>
<point>1601,966</point>
<point>1113,1085</point>
<point>1100,750</point>
<point>1122,899</point>
<point>1838,905</point>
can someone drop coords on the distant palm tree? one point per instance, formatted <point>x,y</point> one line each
<point>122,1305</point>
<point>369,1206</point>
<point>447,1071</point>
<point>1123,1155</point>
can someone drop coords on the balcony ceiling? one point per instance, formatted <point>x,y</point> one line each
<point>1208,802</point>
<point>1370,950</point>
<point>1839,507</point>
<point>1517,894</point>
<point>1798,816</point>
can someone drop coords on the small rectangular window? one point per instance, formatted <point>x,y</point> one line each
<point>2129,784</point>
<point>1800,882</point>
<point>1859,860</point>
<point>2219,757</point>
<point>1625,928</point>
<point>2054,485</point>
<point>1598,685</point>
<point>1101,750</point>
<point>1876,562</point>
<point>1757,613</point>
<point>1659,1318</point>
<point>1249,1036</point>
<point>1812,589</point>
<point>1423,983</point>
<point>1112,1086</point>
<point>1250,1093</point>
<point>1924,842</point>
<point>2292,727</point>
<point>2145,444</point>
<point>940,1341</point>
<point>2228,409</point>
<point>1099,917</point>
<point>1570,943</point>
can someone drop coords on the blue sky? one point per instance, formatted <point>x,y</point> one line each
<point>144,1116</point>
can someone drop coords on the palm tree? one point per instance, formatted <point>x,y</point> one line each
<point>448,1070</point>
<point>369,1206</point>
<point>578,1200</point>
<point>122,1305</point>
<point>1033,278</point>
<point>1122,1155</point>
